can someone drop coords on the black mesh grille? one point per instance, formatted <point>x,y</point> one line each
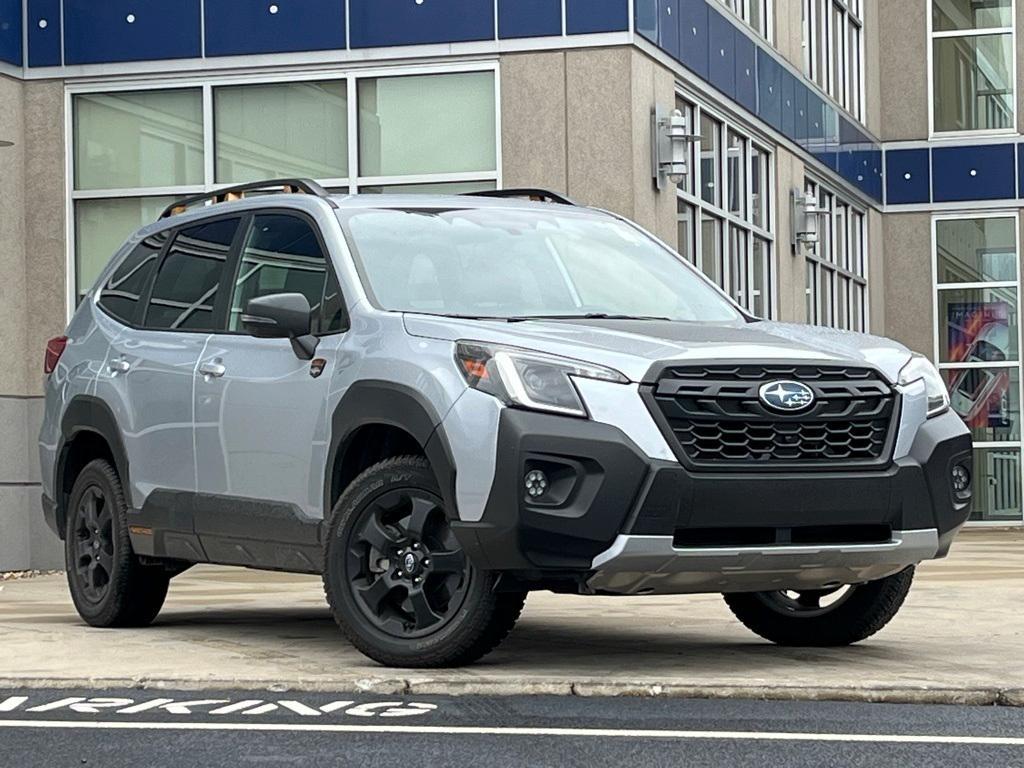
<point>715,417</point>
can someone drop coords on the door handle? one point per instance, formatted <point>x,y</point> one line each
<point>118,366</point>
<point>212,369</point>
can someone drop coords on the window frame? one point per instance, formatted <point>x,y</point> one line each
<point>934,35</point>
<point>235,263</point>
<point>821,265</point>
<point>741,9</point>
<point>220,304</point>
<point>937,287</point>
<point>819,39</point>
<point>75,291</point>
<point>719,211</point>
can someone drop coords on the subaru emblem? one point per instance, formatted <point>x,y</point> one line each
<point>786,396</point>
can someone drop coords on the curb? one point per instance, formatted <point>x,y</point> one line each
<point>426,686</point>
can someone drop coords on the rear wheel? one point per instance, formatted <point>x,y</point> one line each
<point>822,617</point>
<point>397,580</point>
<point>109,587</point>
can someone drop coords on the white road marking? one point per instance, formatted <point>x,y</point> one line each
<point>461,730</point>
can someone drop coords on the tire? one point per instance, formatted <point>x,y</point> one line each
<point>109,587</point>
<point>861,612</point>
<point>388,529</point>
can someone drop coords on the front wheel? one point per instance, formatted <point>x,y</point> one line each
<point>822,617</point>
<point>397,581</point>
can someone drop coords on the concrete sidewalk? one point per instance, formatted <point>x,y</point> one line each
<point>959,639</point>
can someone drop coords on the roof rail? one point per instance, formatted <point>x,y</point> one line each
<point>226,194</point>
<point>537,195</point>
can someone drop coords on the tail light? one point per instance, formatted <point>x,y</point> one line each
<point>54,349</point>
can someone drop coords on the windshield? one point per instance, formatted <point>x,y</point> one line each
<point>508,263</point>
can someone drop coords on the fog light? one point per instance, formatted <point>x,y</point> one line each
<point>961,478</point>
<point>536,483</point>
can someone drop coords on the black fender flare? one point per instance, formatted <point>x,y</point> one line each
<point>86,413</point>
<point>374,401</point>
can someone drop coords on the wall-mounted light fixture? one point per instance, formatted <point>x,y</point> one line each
<point>805,216</point>
<point>670,146</point>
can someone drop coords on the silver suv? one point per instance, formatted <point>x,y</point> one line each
<point>440,404</point>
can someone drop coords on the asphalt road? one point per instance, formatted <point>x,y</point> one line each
<point>157,728</point>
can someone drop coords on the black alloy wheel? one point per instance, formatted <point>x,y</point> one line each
<point>405,567</point>
<point>109,585</point>
<point>397,580</point>
<point>93,532</point>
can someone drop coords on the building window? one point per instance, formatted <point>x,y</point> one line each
<point>833,38</point>
<point>973,75</point>
<point>756,13</point>
<point>725,210</point>
<point>837,287</point>
<point>135,151</point>
<point>977,349</point>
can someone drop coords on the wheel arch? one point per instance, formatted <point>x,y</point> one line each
<point>88,431</point>
<point>376,420</point>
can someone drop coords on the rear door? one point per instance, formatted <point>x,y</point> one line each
<point>154,365</point>
<point>262,429</point>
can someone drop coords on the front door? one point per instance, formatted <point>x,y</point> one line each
<point>262,428</point>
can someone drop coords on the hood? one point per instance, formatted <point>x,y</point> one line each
<point>633,346</point>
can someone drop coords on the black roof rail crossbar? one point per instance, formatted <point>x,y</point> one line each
<point>287,186</point>
<point>538,195</point>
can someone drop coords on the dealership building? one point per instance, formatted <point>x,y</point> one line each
<point>849,163</point>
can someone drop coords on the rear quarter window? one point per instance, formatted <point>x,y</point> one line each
<point>122,293</point>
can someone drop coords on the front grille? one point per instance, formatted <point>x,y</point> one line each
<point>714,417</point>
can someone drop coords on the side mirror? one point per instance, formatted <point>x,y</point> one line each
<point>282,316</point>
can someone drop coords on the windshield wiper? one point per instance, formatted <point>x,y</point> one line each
<point>587,316</point>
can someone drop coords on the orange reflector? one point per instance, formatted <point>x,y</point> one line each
<point>475,368</point>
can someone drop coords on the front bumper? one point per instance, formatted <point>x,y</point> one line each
<point>644,565</point>
<point>625,523</point>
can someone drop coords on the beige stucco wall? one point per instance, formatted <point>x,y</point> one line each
<point>903,59</point>
<point>13,379</point>
<point>32,306</point>
<point>789,31</point>
<point>45,260</point>
<point>792,274</point>
<point>578,122</point>
<point>872,68</point>
<point>908,279</point>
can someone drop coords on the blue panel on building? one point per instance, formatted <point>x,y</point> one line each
<point>10,31</point>
<point>586,16</point>
<point>800,93</point>
<point>815,119</point>
<point>127,30</point>
<point>404,22</point>
<point>241,26</point>
<point>529,18</point>
<point>974,173</point>
<point>788,104</point>
<point>693,35</point>
<point>827,148</point>
<point>1020,169</point>
<point>645,19</point>
<point>721,53</point>
<point>769,89</point>
<point>746,72</point>
<point>668,27</point>
<point>44,33</point>
<point>907,176</point>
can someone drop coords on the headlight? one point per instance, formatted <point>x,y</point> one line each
<point>920,368</point>
<point>529,379</point>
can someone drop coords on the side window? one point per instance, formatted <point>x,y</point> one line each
<point>185,291</point>
<point>283,255</point>
<point>121,294</point>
